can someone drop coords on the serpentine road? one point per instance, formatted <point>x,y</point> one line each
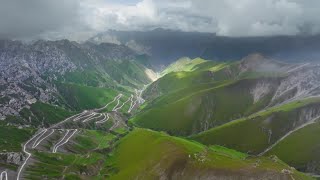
<point>40,137</point>
<point>4,175</point>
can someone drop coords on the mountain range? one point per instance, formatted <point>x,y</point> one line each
<point>165,46</point>
<point>160,104</point>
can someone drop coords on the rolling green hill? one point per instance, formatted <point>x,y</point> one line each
<point>81,97</point>
<point>257,132</point>
<point>12,138</point>
<point>189,112</point>
<point>186,72</point>
<point>301,149</point>
<point>163,156</point>
<point>40,114</point>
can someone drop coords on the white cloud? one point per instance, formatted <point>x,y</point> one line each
<point>78,19</point>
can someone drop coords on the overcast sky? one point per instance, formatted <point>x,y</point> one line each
<point>80,19</point>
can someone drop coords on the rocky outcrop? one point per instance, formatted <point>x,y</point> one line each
<point>300,83</point>
<point>16,158</point>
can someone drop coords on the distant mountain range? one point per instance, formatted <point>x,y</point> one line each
<point>165,46</point>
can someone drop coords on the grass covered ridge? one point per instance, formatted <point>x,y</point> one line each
<point>301,149</point>
<point>196,109</point>
<point>252,134</point>
<point>12,138</point>
<point>165,156</point>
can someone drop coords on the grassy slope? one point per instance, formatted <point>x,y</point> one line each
<point>165,155</point>
<point>197,64</point>
<point>161,155</point>
<point>185,111</point>
<point>90,150</point>
<point>250,134</point>
<point>185,73</point>
<point>40,114</point>
<point>128,73</point>
<point>301,148</point>
<point>12,138</point>
<point>85,97</point>
<point>45,114</point>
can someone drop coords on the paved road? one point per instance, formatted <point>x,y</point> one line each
<point>123,104</point>
<point>55,147</point>
<point>92,118</point>
<point>37,142</point>
<point>40,137</point>
<point>105,119</point>
<point>77,115</point>
<point>4,175</point>
<point>28,154</point>
<point>115,107</point>
<point>83,116</point>
<point>65,139</point>
<point>109,103</point>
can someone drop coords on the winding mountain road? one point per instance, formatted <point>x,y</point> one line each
<point>92,118</point>
<point>28,154</point>
<point>109,103</point>
<point>131,104</point>
<point>105,119</point>
<point>37,142</point>
<point>64,140</point>
<point>122,104</point>
<point>54,150</point>
<point>81,117</point>
<point>77,115</point>
<point>40,137</point>
<point>115,107</point>
<point>4,175</point>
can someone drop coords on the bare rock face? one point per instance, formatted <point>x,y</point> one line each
<point>300,83</point>
<point>262,89</point>
<point>16,158</point>
<point>27,71</point>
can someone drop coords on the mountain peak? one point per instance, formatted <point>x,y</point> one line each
<point>261,63</point>
<point>254,57</point>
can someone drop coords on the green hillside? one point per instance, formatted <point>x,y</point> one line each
<point>163,156</point>
<point>109,73</point>
<point>81,97</point>
<point>202,107</point>
<point>186,72</point>
<point>97,155</point>
<point>40,114</point>
<point>301,149</point>
<point>257,132</point>
<point>187,64</point>
<point>12,138</point>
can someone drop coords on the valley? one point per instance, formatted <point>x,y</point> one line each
<point>196,118</point>
<point>159,90</point>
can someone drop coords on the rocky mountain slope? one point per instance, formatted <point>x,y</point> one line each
<point>41,71</point>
